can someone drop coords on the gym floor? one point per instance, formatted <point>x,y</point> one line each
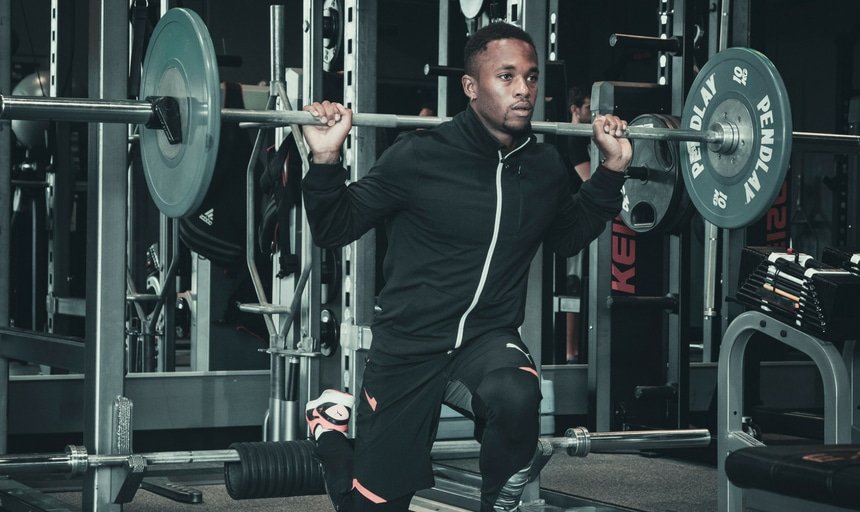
<point>606,482</point>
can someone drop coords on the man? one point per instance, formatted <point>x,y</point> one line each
<point>466,206</point>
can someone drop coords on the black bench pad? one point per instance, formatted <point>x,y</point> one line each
<point>820,473</point>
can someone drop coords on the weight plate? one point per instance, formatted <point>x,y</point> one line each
<point>471,8</point>
<point>180,62</point>
<point>658,202</point>
<point>332,35</point>
<point>32,134</point>
<point>740,92</point>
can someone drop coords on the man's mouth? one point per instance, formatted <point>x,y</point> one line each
<point>522,109</point>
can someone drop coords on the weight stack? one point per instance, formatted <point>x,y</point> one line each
<point>795,288</point>
<point>274,470</point>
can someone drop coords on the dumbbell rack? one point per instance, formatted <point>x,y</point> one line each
<point>841,391</point>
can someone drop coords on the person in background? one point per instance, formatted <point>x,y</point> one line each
<point>579,103</point>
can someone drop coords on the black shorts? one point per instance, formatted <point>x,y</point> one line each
<point>399,405</point>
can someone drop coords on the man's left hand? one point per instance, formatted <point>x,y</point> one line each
<point>608,135</point>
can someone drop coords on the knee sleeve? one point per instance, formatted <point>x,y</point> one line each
<point>509,399</point>
<point>506,406</point>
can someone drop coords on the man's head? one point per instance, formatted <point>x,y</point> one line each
<point>579,102</point>
<point>501,79</point>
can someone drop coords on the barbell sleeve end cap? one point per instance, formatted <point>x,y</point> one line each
<point>727,135</point>
<point>166,116</point>
<point>78,459</point>
<point>578,441</point>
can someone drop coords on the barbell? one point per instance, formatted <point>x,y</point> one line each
<point>290,468</point>
<point>736,124</point>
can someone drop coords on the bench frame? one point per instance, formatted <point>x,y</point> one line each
<point>841,396</point>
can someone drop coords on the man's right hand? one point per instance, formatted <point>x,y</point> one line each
<point>325,140</point>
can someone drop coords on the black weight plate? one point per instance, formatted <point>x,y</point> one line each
<point>655,204</point>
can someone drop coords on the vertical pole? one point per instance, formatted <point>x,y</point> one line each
<point>62,188</point>
<point>168,237</point>
<point>201,296</point>
<point>442,81</point>
<point>713,327</point>
<point>5,207</point>
<point>359,257</point>
<point>282,413</point>
<point>600,341</point>
<point>679,269</point>
<point>307,324</point>
<point>733,240</point>
<point>531,16</point>
<point>107,198</point>
<point>678,353</point>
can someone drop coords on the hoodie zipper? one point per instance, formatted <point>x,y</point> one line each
<point>491,250</point>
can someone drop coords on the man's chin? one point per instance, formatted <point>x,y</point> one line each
<point>519,127</point>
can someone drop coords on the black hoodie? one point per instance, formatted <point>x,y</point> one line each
<point>464,221</point>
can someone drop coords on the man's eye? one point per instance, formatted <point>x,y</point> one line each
<point>505,76</point>
<point>533,78</point>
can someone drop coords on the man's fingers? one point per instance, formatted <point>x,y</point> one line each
<point>328,113</point>
<point>611,125</point>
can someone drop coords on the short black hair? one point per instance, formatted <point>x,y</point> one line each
<point>576,95</point>
<point>492,32</point>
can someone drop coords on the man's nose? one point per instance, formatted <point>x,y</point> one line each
<point>522,87</point>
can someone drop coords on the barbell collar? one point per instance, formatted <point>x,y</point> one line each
<point>731,136</point>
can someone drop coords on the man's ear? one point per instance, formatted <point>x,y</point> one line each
<point>469,87</point>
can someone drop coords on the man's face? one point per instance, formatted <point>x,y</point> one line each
<point>582,114</point>
<point>504,89</point>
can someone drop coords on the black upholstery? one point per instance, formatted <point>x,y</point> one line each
<point>821,473</point>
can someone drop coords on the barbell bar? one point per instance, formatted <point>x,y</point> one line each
<point>577,442</point>
<point>735,132</point>
<point>37,108</point>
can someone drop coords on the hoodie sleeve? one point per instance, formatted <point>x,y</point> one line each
<point>581,217</point>
<point>339,213</point>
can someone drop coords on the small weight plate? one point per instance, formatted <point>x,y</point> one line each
<point>739,91</point>
<point>658,203</point>
<point>180,62</point>
<point>471,8</point>
<point>332,35</point>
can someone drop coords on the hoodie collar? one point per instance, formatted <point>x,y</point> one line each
<point>477,134</point>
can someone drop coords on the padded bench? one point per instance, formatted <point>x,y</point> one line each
<point>807,477</point>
